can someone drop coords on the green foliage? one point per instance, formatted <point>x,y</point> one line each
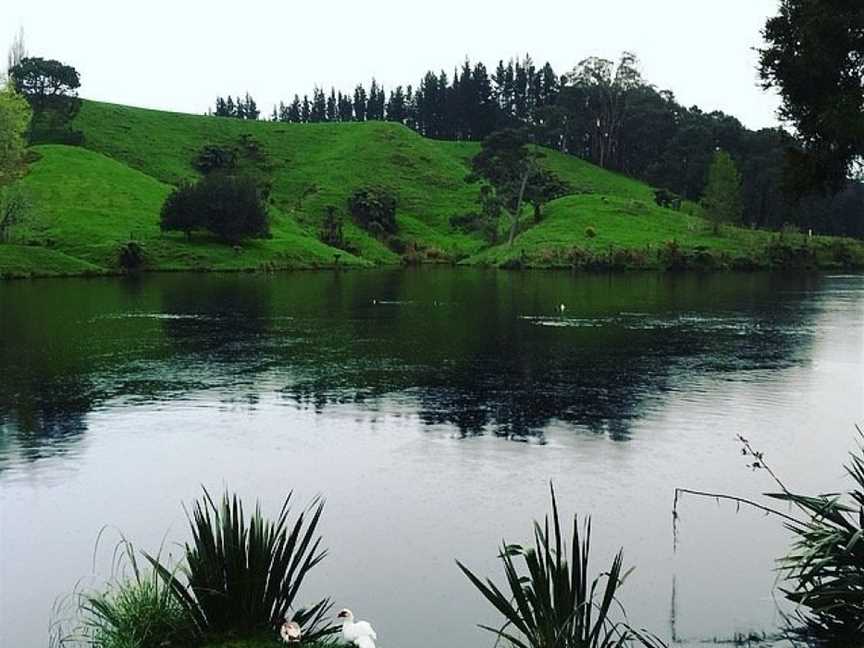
<point>591,232</point>
<point>15,116</point>
<point>825,568</point>
<point>15,208</point>
<point>331,228</point>
<point>722,198</point>
<point>215,158</point>
<point>374,209</point>
<point>51,88</point>
<point>507,164</point>
<point>230,207</point>
<point>551,603</point>
<point>137,612</point>
<point>89,202</point>
<point>243,577</point>
<point>542,187</point>
<point>814,55</point>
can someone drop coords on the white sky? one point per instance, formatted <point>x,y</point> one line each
<point>179,55</point>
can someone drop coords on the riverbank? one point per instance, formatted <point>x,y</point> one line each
<point>95,208</point>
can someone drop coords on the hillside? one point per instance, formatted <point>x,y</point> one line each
<point>90,201</point>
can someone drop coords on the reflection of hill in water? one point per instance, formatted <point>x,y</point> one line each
<point>481,351</point>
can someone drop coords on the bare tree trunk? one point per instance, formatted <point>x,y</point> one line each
<point>514,219</point>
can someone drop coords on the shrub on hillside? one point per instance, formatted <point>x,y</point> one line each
<point>483,223</point>
<point>374,209</point>
<point>590,232</point>
<point>666,198</point>
<point>331,228</point>
<point>215,158</point>
<point>131,256</point>
<point>232,208</point>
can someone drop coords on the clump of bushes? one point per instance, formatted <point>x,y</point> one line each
<point>786,254</point>
<point>374,209</point>
<point>590,232</point>
<point>231,207</point>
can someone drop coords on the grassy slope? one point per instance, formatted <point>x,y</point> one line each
<point>90,201</point>
<point>87,205</point>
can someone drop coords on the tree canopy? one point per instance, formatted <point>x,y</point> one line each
<point>814,55</point>
<point>231,207</point>
<point>48,84</point>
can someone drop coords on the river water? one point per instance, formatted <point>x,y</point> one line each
<point>431,408</point>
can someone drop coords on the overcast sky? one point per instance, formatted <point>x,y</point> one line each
<point>179,55</point>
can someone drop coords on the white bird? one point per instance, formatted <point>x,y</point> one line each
<point>562,308</point>
<point>290,632</point>
<point>359,634</point>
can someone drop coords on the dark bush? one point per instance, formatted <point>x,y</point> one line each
<point>590,232</point>
<point>331,228</point>
<point>230,207</point>
<point>485,224</point>
<point>215,158</point>
<point>666,198</point>
<point>131,256</point>
<point>374,209</point>
<point>397,244</point>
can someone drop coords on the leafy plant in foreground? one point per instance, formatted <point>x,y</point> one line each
<point>242,577</point>
<point>826,563</point>
<point>554,605</point>
<point>825,567</point>
<point>136,610</point>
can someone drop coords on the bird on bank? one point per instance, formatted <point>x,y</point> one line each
<point>290,632</point>
<point>562,308</point>
<point>359,634</point>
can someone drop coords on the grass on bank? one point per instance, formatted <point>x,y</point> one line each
<point>90,201</point>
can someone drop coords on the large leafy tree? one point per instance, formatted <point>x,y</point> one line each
<point>506,163</point>
<point>231,207</point>
<point>814,55</point>
<point>604,87</point>
<point>50,86</point>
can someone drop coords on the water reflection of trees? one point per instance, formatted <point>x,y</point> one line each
<point>453,347</point>
<point>598,370</point>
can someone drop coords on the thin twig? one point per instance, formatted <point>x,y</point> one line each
<point>731,498</point>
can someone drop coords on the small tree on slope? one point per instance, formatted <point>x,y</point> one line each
<point>722,199</point>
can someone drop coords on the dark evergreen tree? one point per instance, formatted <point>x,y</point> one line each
<point>295,111</point>
<point>305,110</point>
<point>332,106</point>
<point>396,106</point>
<point>360,103</point>
<point>250,107</point>
<point>346,108</point>
<point>318,112</point>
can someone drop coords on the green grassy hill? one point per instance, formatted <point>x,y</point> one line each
<point>90,201</point>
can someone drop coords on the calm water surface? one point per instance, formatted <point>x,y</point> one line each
<point>431,408</point>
